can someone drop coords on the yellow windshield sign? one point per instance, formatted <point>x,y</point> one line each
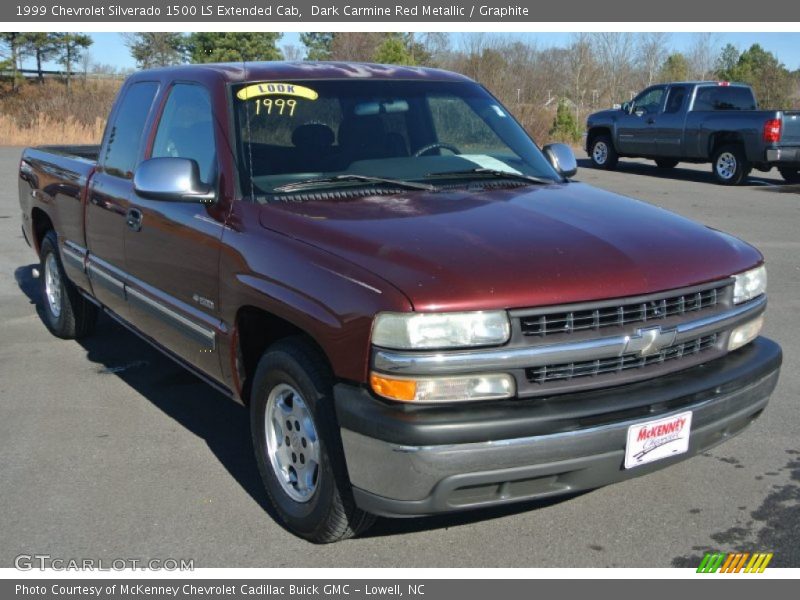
<point>276,89</point>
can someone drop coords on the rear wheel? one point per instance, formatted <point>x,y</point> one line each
<point>602,153</point>
<point>666,163</point>
<point>790,175</point>
<point>729,165</point>
<point>298,447</point>
<point>67,314</point>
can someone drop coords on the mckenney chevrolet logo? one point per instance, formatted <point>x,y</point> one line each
<point>651,340</point>
<point>664,429</point>
<point>734,562</point>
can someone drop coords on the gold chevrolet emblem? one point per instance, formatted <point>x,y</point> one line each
<point>651,340</point>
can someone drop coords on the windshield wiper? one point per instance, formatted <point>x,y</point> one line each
<point>494,173</point>
<point>349,177</point>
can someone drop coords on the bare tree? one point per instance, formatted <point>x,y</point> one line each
<point>653,49</point>
<point>437,44</point>
<point>292,52</point>
<point>582,69</point>
<point>355,45</point>
<point>104,69</point>
<point>703,55</point>
<point>86,60</point>
<point>615,52</point>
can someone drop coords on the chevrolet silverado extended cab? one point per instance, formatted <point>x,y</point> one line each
<point>716,122</point>
<point>421,309</point>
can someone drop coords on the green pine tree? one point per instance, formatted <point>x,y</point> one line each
<point>41,45</point>
<point>318,45</point>
<point>770,79</point>
<point>205,47</point>
<point>675,68</point>
<point>68,48</point>
<point>565,125</point>
<point>393,51</point>
<point>156,49</point>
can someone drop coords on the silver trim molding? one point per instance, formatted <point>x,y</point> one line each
<point>189,327</point>
<point>106,278</point>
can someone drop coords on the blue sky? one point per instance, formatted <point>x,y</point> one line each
<point>109,48</point>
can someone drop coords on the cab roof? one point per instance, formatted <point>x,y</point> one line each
<point>297,70</point>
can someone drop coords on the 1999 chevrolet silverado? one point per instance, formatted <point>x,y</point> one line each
<point>422,311</point>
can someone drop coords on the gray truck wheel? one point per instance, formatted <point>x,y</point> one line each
<point>298,447</point>
<point>729,165</point>
<point>666,163</point>
<point>790,175</point>
<point>67,314</point>
<point>602,153</point>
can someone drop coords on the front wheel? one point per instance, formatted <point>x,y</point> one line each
<point>298,447</point>
<point>66,313</point>
<point>790,175</point>
<point>602,153</point>
<point>729,165</point>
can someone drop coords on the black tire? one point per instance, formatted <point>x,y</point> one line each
<point>329,514</point>
<point>67,314</point>
<point>666,163</point>
<point>602,153</point>
<point>790,175</point>
<point>729,165</point>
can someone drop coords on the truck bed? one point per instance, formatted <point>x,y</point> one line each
<point>56,177</point>
<point>89,152</point>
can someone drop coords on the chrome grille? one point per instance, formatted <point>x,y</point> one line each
<point>592,368</point>
<point>618,315</point>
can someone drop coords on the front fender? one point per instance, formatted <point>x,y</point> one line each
<point>328,298</point>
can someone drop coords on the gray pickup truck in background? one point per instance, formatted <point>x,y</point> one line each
<point>716,122</point>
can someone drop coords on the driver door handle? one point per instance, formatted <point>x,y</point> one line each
<point>134,219</point>
<point>650,121</point>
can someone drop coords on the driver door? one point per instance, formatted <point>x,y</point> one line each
<point>637,131</point>
<point>172,251</point>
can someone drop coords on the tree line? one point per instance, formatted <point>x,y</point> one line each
<point>593,69</point>
<point>65,48</point>
<point>590,71</point>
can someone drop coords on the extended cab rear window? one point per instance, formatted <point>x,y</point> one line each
<point>720,97</point>
<point>124,139</point>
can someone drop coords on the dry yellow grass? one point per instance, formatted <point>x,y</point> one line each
<point>48,114</point>
<point>44,129</point>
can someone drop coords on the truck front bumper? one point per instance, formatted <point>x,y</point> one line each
<point>410,461</point>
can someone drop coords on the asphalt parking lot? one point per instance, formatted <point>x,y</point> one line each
<point>109,450</point>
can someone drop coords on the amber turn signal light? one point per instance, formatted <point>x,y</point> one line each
<point>404,390</point>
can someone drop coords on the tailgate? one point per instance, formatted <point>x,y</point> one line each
<point>790,133</point>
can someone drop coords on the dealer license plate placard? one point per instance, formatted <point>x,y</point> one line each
<point>654,440</point>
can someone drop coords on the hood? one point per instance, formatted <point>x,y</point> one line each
<point>603,115</point>
<point>513,248</point>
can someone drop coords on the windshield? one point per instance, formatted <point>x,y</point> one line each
<point>314,132</point>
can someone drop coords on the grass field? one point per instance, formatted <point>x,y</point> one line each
<point>49,113</point>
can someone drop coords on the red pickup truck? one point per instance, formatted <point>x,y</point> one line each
<point>421,309</point>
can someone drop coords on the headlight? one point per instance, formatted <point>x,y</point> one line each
<point>412,331</point>
<point>750,284</point>
<point>466,388</point>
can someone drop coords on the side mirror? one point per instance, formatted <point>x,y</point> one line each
<point>173,179</point>
<point>626,107</point>
<point>562,158</point>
